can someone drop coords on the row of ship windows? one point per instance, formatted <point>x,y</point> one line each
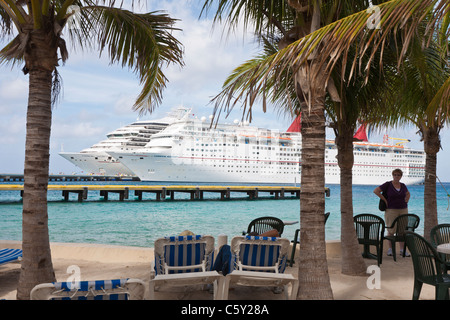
<point>253,147</point>
<point>267,164</point>
<point>383,175</point>
<point>412,172</point>
<point>357,153</point>
<point>293,157</point>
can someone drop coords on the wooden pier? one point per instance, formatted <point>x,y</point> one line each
<point>164,192</point>
<point>8,177</point>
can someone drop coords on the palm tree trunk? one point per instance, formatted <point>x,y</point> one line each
<point>314,280</point>
<point>37,264</point>
<point>431,145</point>
<point>352,260</point>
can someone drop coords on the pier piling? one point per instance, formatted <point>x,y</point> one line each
<point>162,192</point>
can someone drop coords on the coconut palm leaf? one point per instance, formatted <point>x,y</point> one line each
<point>397,19</point>
<point>264,17</point>
<point>279,92</point>
<point>142,42</point>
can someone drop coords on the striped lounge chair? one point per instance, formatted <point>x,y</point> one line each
<point>10,255</point>
<point>184,261</point>
<point>118,289</point>
<point>260,261</point>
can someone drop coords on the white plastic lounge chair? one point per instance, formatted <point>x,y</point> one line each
<point>118,289</point>
<point>260,261</point>
<point>10,255</point>
<point>185,261</point>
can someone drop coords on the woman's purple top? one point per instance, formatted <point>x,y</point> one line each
<point>395,199</point>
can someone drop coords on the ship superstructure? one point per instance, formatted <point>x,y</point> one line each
<point>191,150</point>
<point>96,160</point>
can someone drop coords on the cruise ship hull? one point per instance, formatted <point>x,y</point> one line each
<point>172,167</point>
<point>97,163</point>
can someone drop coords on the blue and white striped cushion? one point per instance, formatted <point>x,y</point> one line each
<point>261,238</point>
<point>8,255</point>
<point>260,254</point>
<point>183,254</point>
<point>87,286</point>
<point>184,238</point>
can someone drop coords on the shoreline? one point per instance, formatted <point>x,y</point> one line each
<point>98,261</point>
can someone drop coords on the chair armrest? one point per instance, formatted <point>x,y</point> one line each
<point>391,226</point>
<point>152,270</point>
<point>296,239</point>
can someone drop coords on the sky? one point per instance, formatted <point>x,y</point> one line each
<point>97,97</point>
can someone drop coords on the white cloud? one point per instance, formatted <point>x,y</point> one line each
<point>13,88</point>
<point>12,129</point>
<point>80,130</point>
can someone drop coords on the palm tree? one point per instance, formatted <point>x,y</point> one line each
<point>356,100</point>
<point>343,115</point>
<point>262,75</point>
<point>292,20</point>
<point>142,42</point>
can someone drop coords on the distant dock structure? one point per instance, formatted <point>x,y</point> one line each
<point>164,192</point>
<point>69,177</point>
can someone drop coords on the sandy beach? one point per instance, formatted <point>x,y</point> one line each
<point>98,262</point>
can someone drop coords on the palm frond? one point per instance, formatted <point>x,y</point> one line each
<point>142,42</point>
<point>398,19</point>
<point>264,16</point>
<point>6,22</point>
<point>13,52</point>
<point>438,109</point>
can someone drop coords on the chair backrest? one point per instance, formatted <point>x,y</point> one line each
<point>9,255</point>
<point>179,254</point>
<point>327,215</point>
<point>440,234</point>
<point>117,289</point>
<point>254,253</point>
<point>263,224</point>
<point>424,256</point>
<point>369,227</point>
<point>405,222</point>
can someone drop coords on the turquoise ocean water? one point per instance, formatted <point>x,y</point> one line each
<point>139,223</point>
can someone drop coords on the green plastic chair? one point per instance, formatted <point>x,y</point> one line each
<point>370,232</point>
<point>296,241</point>
<point>264,224</point>
<point>427,266</point>
<point>404,222</point>
<point>438,235</point>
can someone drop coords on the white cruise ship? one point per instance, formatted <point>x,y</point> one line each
<point>96,160</point>
<point>191,151</point>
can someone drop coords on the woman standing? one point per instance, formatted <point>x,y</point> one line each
<point>396,202</point>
